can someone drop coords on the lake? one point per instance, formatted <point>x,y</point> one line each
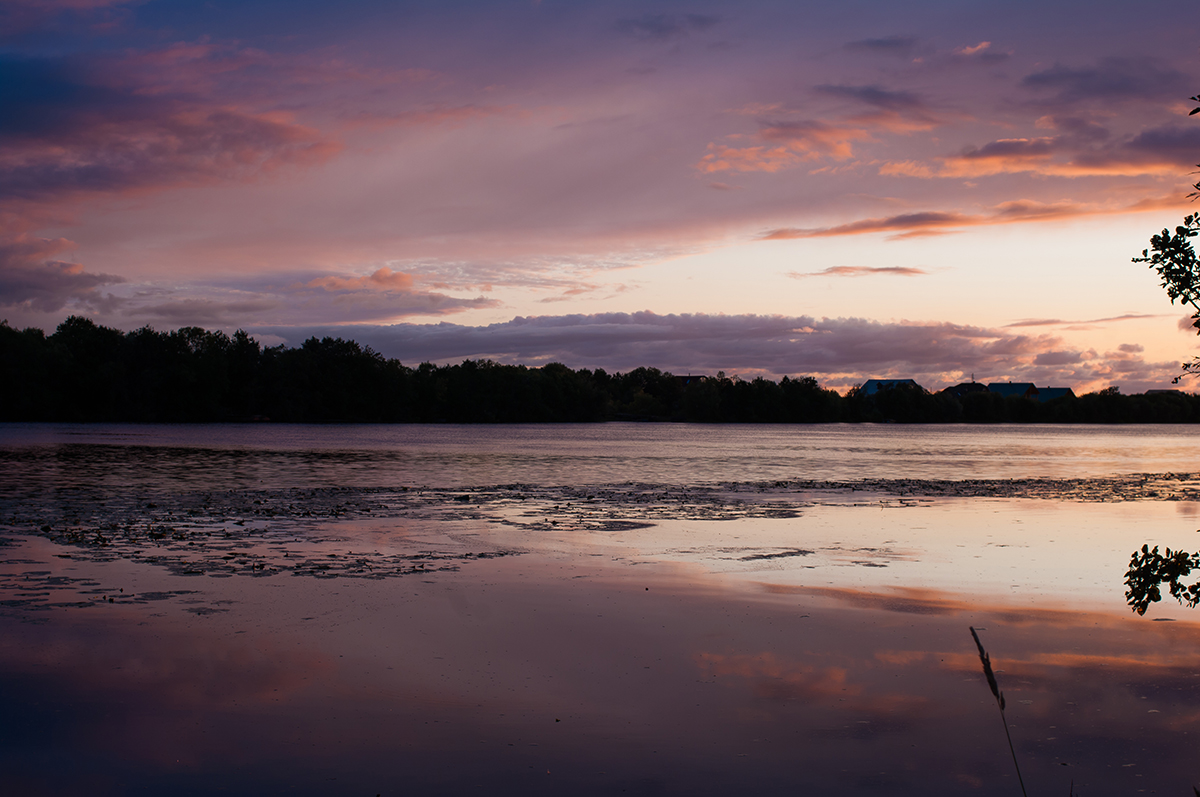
<point>593,609</point>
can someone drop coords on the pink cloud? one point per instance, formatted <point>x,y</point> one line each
<point>941,222</point>
<point>859,271</point>
<point>723,158</point>
<point>907,168</point>
<point>383,279</point>
<point>1047,322</point>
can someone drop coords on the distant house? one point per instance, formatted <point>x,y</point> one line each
<point>1021,389</point>
<point>1050,393</point>
<point>873,386</point>
<point>960,390</point>
<point>687,379</point>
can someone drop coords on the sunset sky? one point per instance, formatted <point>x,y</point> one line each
<point>851,190</point>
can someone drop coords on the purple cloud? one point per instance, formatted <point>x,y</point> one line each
<point>840,351</point>
<point>876,96</point>
<point>87,126</point>
<point>1111,79</point>
<point>31,279</point>
<point>895,46</point>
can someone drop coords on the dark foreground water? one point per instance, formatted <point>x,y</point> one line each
<point>613,609</point>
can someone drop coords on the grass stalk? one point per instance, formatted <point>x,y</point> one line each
<point>995,687</point>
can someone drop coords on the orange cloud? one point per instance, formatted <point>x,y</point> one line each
<point>798,142</point>
<point>978,48</point>
<point>1081,148</point>
<point>721,158</point>
<point>383,279</point>
<point>1031,161</point>
<point>905,169</point>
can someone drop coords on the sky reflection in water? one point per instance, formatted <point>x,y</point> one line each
<point>220,456</point>
<point>822,653</point>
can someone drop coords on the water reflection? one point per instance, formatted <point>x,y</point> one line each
<point>217,456</point>
<point>1148,570</point>
<point>257,618</point>
<point>538,680</point>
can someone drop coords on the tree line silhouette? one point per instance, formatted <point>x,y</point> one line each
<point>87,372</point>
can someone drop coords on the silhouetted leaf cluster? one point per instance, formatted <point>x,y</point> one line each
<point>1174,258</point>
<point>86,372</point>
<point>1148,569</point>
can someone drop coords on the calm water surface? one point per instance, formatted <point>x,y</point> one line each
<point>223,456</point>
<point>412,610</point>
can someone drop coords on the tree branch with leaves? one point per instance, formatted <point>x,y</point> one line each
<point>1174,258</point>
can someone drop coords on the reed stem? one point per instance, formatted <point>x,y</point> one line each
<point>995,687</point>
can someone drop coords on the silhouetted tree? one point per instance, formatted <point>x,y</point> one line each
<point>86,372</point>
<point>1174,258</point>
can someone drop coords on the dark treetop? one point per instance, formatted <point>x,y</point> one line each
<point>85,372</point>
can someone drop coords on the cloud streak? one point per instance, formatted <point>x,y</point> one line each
<point>1053,322</point>
<point>934,222</point>
<point>860,271</point>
